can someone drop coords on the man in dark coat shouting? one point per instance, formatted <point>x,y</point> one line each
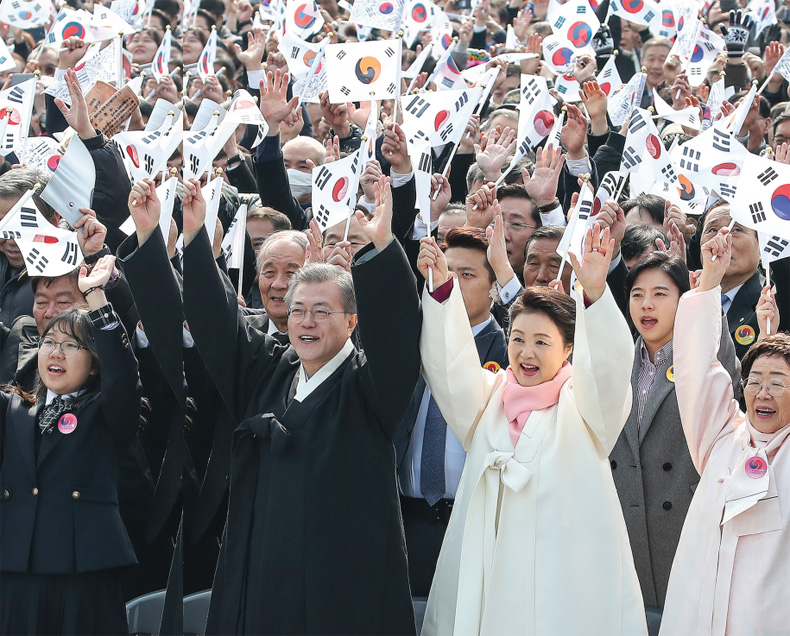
<point>313,540</point>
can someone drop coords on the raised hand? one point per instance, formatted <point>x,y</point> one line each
<point>594,100</point>
<point>77,115</point>
<point>720,247</point>
<point>593,269</point>
<point>275,106</point>
<point>493,150</point>
<point>194,209</point>
<point>315,250</point>
<point>479,206</point>
<point>395,150</point>
<point>91,239</point>
<point>252,58</point>
<point>75,49</point>
<point>440,188</point>
<point>681,89</point>
<point>93,282</point>
<point>431,258</point>
<point>369,179</point>
<point>497,249</point>
<point>340,256</point>
<point>574,133</point>
<point>145,208</point>
<point>677,243</point>
<point>379,229</point>
<point>767,314</point>
<point>542,186</point>
<point>611,216</point>
<point>336,115</point>
<point>737,33</point>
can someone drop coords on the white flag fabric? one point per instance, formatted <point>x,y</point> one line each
<point>298,54</point>
<point>575,22</point>
<point>688,117</point>
<point>707,48</point>
<point>335,190</point>
<point>736,120</point>
<point>567,86</point>
<point>233,241</point>
<point>26,14</point>
<point>377,14</point>
<point>439,117</point>
<point>687,37</point>
<point>16,110</point>
<point>6,61</point>
<point>446,75</point>
<point>71,186</point>
<point>644,150</point>
<point>418,15</point>
<point>422,160</point>
<point>764,205</point>
<point>160,65</point>
<point>712,159</point>
<point>244,110</point>
<point>714,104</point>
<point>612,184</point>
<point>212,194</point>
<point>572,240</point>
<point>106,24</point>
<point>773,248</point>
<point>663,24</point>
<point>536,115</point>
<point>70,23</point>
<point>609,78</point>
<point>641,12</point>
<point>764,14</point>
<point>303,18</point>
<point>41,153</point>
<point>368,146</point>
<point>97,65</point>
<point>627,99</point>
<point>558,53</point>
<point>202,147</point>
<point>310,87</point>
<point>414,70</point>
<point>166,192</point>
<point>361,71</point>
<point>47,250</point>
<point>783,65</point>
<point>148,151</point>
<point>208,56</point>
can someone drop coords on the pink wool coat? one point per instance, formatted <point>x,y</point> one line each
<point>731,573</point>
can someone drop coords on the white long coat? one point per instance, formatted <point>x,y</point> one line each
<point>731,573</point>
<point>536,543</point>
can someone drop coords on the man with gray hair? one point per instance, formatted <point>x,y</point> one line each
<point>313,538</point>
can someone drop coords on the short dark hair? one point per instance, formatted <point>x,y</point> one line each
<point>654,205</point>
<point>470,238</point>
<point>777,345</point>
<point>553,232</point>
<point>780,120</point>
<point>73,276</point>
<point>518,191</point>
<point>638,238</point>
<point>672,266</point>
<point>278,220</point>
<point>555,305</point>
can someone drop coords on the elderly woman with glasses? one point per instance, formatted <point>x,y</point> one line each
<point>732,565</point>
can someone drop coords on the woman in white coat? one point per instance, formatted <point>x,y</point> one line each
<point>536,543</point>
<point>731,571</point>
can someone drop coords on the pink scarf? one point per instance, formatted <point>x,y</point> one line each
<point>519,401</point>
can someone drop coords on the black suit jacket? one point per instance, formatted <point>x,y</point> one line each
<point>59,511</point>
<point>742,315</point>
<point>491,347</point>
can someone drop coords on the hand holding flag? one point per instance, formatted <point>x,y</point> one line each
<point>379,229</point>
<point>145,208</point>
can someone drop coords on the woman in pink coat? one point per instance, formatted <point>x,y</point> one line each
<point>732,568</point>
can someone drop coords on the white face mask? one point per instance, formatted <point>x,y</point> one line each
<point>301,182</point>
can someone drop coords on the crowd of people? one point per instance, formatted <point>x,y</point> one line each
<point>506,398</point>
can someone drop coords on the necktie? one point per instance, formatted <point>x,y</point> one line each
<point>432,459</point>
<point>51,414</point>
<point>725,303</point>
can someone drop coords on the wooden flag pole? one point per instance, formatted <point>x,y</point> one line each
<point>729,229</point>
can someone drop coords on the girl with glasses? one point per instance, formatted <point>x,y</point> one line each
<point>62,541</point>
<point>732,565</point>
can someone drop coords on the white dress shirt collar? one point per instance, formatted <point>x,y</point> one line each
<point>51,395</point>
<point>308,385</point>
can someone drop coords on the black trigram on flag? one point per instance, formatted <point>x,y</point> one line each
<point>631,158</point>
<point>581,9</point>
<point>294,52</point>
<point>530,92</point>
<point>668,173</point>
<point>562,89</point>
<point>149,163</point>
<point>391,88</point>
<point>726,190</point>
<point>776,246</point>
<point>695,70</point>
<point>37,260</point>
<point>28,218</point>
<point>417,106</point>
<point>447,82</point>
<point>340,54</point>
<point>757,212</point>
<point>690,159</point>
<point>70,255</point>
<point>196,138</point>
<point>585,208</point>
<point>446,131</point>
<point>16,95</point>
<point>323,177</point>
<point>322,215</point>
<point>459,103</point>
<point>148,139</point>
<point>10,235</point>
<point>721,140</point>
<point>194,163</point>
<point>345,90</point>
<point>767,175</point>
<point>15,4</point>
<point>559,22</point>
<point>389,51</point>
<point>637,122</point>
<point>424,165</point>
<point>649,16</point>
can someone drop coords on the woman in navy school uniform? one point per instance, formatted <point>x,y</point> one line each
<point>62,541</point>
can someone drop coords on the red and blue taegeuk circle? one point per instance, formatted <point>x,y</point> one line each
<point>667,18</point>
<point>386,8</point>
<point>446,40</point>
<point>340,189</point>
<point>303,18</point>
<point>419,13</point>
<point>561,57</point>
<point>579,34</point>
<point>73,30</point>
<point>780,202</point>
<point>25,15</point>
<point>52,162</point>
<point>698,54</point>
<point>633,6</point>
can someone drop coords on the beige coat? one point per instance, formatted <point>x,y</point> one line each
<point>731,573</point>
<point>536,543</point>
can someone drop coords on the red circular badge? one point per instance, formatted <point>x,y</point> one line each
<point>67,423</point>
<point>756,467</point>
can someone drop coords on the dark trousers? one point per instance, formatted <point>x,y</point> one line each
<point>425,527</point>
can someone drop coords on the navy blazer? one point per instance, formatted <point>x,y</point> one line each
<point>59,513</point>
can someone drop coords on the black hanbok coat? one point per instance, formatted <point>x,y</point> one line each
<point>314,539</point>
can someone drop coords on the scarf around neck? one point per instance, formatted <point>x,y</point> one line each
<point>519,401</point>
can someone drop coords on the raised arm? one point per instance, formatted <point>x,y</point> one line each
<point>450,362</point>
<point>703,386</point>
<point>603,352</point>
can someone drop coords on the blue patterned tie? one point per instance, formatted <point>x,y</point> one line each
<point>725,303</point>
<point>432,459</point>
